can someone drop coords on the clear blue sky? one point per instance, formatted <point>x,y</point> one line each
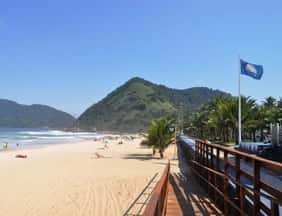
<point>70,54</point>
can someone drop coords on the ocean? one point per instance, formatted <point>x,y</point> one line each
<point>21,138</point>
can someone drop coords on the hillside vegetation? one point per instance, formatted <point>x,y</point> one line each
<point>16,115</point>
<point>131,107</point>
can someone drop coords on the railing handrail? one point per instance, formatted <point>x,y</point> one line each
<point>273,165</point>
<point>246,187</point>
<point>207,167</point>
<point>157,202</point>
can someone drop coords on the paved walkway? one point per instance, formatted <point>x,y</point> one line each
<point>185,196</point>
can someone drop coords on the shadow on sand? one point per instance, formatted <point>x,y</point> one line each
<point>165,163</point>
<point>142,157</point>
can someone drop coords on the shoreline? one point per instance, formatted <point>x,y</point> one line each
<point>25,138</point>
<point>39,146</point>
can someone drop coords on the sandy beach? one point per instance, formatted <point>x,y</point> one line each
<point>85,178</point>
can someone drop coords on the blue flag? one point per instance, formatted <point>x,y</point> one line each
<point>252,70</point>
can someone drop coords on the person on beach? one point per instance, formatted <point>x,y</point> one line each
<point>98,155</point>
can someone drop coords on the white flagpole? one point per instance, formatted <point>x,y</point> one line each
<point>239,105</point>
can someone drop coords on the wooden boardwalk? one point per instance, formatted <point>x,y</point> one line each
<point>173,206</point>
<point>185,196</point>
<point>179,191</point>
<point>188,200</point>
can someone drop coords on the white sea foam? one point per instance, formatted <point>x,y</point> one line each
<point>41,137</point>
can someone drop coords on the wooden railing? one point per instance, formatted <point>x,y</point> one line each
<point>157,203</point>
<point>141,200</point>
<point>220,169</point>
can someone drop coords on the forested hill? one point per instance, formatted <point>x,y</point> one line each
<point>133,105</point>
<point>16,115</point>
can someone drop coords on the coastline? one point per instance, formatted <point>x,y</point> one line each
<point>22,138</point>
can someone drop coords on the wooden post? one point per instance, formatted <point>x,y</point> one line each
<point>217,159</point>
<point>200,160</point>
<point>212,174</point>
<point>207,154</point>
<point>215,176</point>
<point>200,152</point>
<point>238,174</point>
<point>212,158</point>
<point>196,151</point>
<point>274,209</point>
<point>218,169</point>
<point>256,182</point>
<point>202,148</point>
<point>242,198</point>
<point>204,162</point>
<point>225,185</point>
<point>207,164</point>
<point>198,157</point>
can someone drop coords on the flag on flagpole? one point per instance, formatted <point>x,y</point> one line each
<point>252,70</point>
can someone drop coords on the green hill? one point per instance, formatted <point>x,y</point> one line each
<point>16,115</point>
<point>132,106</point>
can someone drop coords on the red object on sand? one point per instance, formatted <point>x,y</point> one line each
<point>21,156</point>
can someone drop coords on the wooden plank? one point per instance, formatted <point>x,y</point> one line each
<point>173,206</point>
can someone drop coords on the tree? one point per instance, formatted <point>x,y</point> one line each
<point>269,102</point>
<point>279,103</point>
<point>160,135</point>
<point>219,118</point>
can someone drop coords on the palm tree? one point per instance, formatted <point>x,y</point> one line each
<point>279,103</point>
<point>219,118</point>
<point>160,135</point>
<point>269,102</point>
<point>255,122</point>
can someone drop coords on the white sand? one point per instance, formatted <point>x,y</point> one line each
<point>69,179</point>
